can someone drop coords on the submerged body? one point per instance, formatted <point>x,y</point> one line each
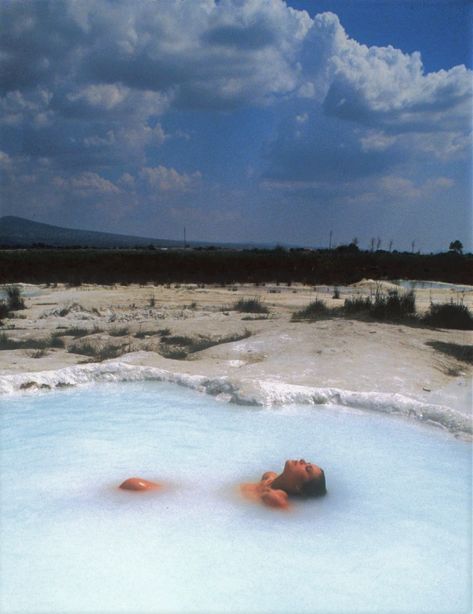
<point>298,478</point>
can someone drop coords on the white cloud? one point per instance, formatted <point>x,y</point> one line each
<point>104,96</point>
<point>375,140</point>
<point>5,159</point>
<point>385,87</point>
<point>86,183</point>
<point>169,180</point>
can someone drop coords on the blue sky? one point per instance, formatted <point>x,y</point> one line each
<point>243,120</point>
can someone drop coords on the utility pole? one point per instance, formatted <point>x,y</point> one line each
<point>185,242</point>
<point>330,240</point>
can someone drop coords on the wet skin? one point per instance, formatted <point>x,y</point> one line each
<point>139,484</point>
<point>273,490</point>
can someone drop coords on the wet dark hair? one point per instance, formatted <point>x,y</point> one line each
<point>315,487</point>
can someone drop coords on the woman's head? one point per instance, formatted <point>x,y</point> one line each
<point>301,477</point>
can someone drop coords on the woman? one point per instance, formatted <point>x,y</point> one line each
<point>298,478</point>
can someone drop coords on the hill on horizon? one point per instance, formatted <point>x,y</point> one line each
<point>21,232</point>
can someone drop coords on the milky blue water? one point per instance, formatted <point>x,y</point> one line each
<point>392,535</point>
<point>433,285</point>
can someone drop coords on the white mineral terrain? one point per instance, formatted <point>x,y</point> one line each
<point>194,335</point>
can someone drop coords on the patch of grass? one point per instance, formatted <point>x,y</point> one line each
<point>464,353</point>
<point>314,310</point>
<point>250,305</point>
<point>119,332</point>
<point>75,307</point>
<point>180,346</point>
<point>7,343</point>
<point>75,332</point>
<point>56,341</point>
<point>449,315</point>
<point>174,353</point>
<point>142,334</point>
<point>99,351</point>
<point>255,317</point>
<point>38,353</point>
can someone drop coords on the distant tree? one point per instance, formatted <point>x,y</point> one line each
<point>456,246</point>
<point>352,248</point>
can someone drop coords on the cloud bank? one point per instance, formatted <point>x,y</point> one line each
<point>87,89</point>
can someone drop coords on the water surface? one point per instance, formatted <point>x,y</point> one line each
<point>392,535</point>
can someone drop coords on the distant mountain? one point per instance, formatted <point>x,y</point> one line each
<point>20,232</point>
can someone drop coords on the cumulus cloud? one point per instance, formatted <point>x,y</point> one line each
<point>384,87</point>
<point>169,180</point>
<point>86,183</point>
<point>371,109</point>
<point>87,89</point>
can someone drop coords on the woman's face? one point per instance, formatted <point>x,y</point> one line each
<point>297,472</point>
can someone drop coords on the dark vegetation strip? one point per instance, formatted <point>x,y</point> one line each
<point>393,306</point>
<point>227,266</point>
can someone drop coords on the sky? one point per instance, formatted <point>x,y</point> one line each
<point>265,121</point>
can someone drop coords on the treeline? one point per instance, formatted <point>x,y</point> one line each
<point>227,266</point>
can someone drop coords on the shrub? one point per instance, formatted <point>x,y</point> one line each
<point>4,311</point>
<point>14,299</point>
<point>314,310</point>
<point>250,305</point>
<point>391,306</point>
<point>6,343</point>
<point>449,315</point>
<point>357,304</point>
